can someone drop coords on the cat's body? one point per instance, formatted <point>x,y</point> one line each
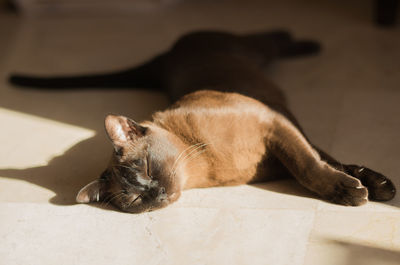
<point>230,133</point>
<point>229,125</point>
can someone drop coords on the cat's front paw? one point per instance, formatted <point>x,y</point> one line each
<point>346,190</point>
<point>379,187</point>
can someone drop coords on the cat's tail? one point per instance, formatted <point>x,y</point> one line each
<point>146,75</point>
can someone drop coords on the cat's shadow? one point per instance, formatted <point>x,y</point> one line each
<point>65,174</point>
<point>286,185</point>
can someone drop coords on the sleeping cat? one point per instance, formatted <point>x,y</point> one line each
<point>229,125</point>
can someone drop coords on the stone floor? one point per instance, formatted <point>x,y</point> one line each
<point>52,142</point>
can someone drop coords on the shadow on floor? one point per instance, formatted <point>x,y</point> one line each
<point>286,186</point>
<point>359,254</point>
<point>66,174</point>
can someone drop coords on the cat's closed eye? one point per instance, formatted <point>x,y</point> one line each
<point>148,168</point>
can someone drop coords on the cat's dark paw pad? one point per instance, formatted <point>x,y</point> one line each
<point>379,187</point>
<point>348,191</point>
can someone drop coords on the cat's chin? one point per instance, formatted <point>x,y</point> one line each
<point>134,210</point>
<point>142,207</point>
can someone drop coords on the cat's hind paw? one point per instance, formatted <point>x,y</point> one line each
<point>348,191</point>
<point>379,187</point>
<point>341,188</point>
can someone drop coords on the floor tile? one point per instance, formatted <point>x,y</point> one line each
<point>354,238</point>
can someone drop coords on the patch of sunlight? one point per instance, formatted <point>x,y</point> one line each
<point>27,140</point>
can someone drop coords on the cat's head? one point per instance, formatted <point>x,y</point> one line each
<point>141,175</point>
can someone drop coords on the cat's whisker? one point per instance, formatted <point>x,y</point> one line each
<point>193,151</point>
<point>188,156</point>
<point>105,201</point>
<point>107,197</point>
<point>110,197</point>
<point>115,197</point>
<point>194,156</point>
<point>175,167</point>
<point>180,155</point>
<point>124,167</point>
<point>176,162</point>
<point>132,202</point>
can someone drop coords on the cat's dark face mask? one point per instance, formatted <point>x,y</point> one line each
<point>140,176</point>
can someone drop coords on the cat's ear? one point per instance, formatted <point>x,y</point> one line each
<point>92,192</point>
<point>122,130</point>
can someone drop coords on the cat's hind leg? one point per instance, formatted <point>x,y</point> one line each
<point>303,161</point>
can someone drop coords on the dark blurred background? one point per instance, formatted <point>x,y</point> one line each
<point>384,12</point>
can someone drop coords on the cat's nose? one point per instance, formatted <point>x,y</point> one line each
<point>153,193</point>
<point>161,190</point>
